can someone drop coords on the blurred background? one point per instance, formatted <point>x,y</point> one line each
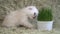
<point>10,5</point>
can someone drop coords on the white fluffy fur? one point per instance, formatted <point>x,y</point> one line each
<point>20,17</point>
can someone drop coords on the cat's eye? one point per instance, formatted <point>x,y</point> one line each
<point>30,8</point>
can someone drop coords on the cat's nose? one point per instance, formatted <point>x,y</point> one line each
<point>35,15</point>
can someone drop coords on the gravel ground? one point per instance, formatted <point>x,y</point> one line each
<point>22,30</point>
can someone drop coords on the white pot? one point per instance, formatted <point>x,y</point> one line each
<point>45,25</point>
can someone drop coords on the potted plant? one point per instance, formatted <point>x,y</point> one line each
<point>45,19</point>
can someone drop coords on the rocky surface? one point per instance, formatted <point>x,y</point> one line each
<point>25,31</point>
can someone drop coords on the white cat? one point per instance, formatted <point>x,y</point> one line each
<point>20,17</point>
